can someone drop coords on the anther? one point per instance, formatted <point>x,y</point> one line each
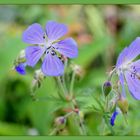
<point>43,36</point>
<point>53,53</point>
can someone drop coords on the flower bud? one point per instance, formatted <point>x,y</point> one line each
<point>78,70</point>
<point>38,78</point>
<point>39,75</point>
<point>21,68</point>
<point>123,104</point>
<point>60,122</point>
<point>35,85</point>
<point>22,54</point>
<point>107,88</point>
<point>113,117</point>
<point>20,59</point>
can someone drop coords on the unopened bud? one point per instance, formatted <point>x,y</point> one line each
<point>60,122</point>
<point>22,54</point>
<point>35,85</point>
<point>123,104</point>
<point>20,59</point>
<point>78,70</point>
<point>39,75</point>
<point>107,87</point>
<point>38,78</point>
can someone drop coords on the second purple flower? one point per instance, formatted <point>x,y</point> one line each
<point>46,45</point>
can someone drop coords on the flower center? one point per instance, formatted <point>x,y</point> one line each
<point>124,67</point>
<point>49,48</point>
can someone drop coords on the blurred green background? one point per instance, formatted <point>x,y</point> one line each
<point>101,31</point>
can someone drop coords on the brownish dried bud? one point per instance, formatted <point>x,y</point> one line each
<point>123,104</point>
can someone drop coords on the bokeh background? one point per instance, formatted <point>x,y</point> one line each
<point>101,31</point>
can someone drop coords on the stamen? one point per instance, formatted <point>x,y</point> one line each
<point>53,52</point>
<point>134,73</point>
<point>48,48</point>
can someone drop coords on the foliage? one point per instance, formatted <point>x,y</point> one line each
<point>101,31</point>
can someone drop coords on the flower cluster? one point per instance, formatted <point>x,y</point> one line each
<point>47,46</point>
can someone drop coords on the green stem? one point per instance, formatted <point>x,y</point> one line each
<point>64,85</point>
<point>106,120</point>
<point>103,127</point>
<point>79,122</point>
<point>108,125</point>
<point>61,85</point>
<point>106,106</point>
<point>62,88</point>
<point>72,84</point>
<point>111,74</point>
<point>63,77</point>
<point>82,126</point>
<point>125,119</point>
<point>67,115</point>
<point>54,131</point>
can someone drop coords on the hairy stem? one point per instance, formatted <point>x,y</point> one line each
<point>62,86</point>
<point>111,74</point>
<point>63,96</point>
<point>63,77</point>
<point>72,84</point>
<point>78,120</point>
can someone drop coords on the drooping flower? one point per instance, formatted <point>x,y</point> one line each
<point>128,70</point>
<point>21,68</point>
<point>113,117</point>
<point>46,45</point>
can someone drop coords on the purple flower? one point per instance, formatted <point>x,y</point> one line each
<point>21,68</point>
<point>46,45</point>
<point>113,117</point>
<point>129,70</point>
